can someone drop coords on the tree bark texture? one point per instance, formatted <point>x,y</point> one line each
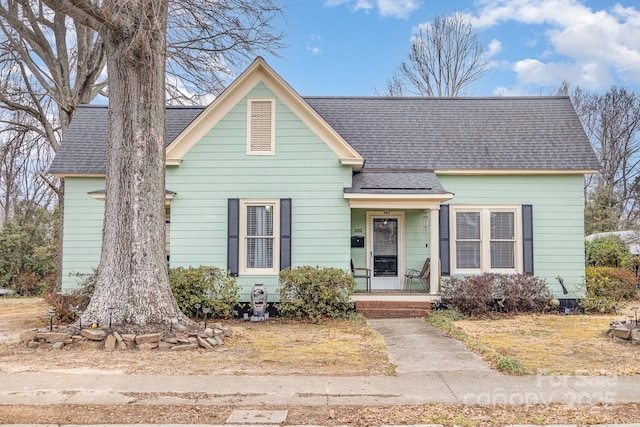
<point>132,277</point>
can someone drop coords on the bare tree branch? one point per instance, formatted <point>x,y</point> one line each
<point>446,57</point>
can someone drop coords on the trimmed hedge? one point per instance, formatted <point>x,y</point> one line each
<point>314,293</point>
<point>479,295</point>
<point>206,285</point>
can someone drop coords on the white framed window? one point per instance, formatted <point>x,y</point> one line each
<point>259,236</point>
<point>486,239</point>
<point>261,124</point>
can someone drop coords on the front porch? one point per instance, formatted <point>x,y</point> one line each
<point>394,304</point>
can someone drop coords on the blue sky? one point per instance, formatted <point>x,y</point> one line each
<point>351,47</point>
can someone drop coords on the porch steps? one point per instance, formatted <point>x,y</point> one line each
<point>373,309</point>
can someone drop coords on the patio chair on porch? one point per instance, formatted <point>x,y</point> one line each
<point>366,274</point>
<point>421,276</point>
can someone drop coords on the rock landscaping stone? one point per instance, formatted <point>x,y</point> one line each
<point>28,336</point>
<point>110,343</point>
<point>148,338</point>
<point>624,330</point>
<point>94,334</point>
<point>95,338</point>
<point>118,338</point>
<point>128,337</point>
<point>163,345</point>
<point>148,345</point>
<point>52,337</point>
<point>184,347</point>
<point>204,344</point>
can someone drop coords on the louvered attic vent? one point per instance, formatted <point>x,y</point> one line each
<point>261,127</point>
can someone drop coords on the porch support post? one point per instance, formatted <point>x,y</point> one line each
<point>434,277</point>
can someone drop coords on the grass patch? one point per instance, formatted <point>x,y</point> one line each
<point>556,344</point>
<point>445,320</point>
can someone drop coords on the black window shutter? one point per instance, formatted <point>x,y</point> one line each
<point>527,238</point>
<point>233,236</point>
<point>445,253</point>
<point>285,233</point>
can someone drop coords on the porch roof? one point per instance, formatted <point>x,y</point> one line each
<point>395,182</point>
<point>400,189</point>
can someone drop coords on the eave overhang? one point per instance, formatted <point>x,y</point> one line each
<point>396,200</point>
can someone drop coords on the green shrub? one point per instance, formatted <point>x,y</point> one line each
<point>608,251</point>
<point>29,250</point>
<point>209,286</point>
<point>510,365</point>
<point>479,295</point>
<point>313,293</point>
<point>607,286</point>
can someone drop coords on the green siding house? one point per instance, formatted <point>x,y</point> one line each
<point>263,179</point>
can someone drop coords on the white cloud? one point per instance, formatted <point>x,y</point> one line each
<point>494,47</point>
<point>397,8</point>
<point>365,5</point>
<point>589,48</point>
<point>393,8</point>
<point>313,45</point>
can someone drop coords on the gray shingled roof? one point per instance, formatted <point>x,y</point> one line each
<point>84,147</point>
<point>461,133</point>
<point>395,182</point>
<point>523,133</point>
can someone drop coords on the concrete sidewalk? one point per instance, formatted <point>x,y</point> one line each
<point>431,369</point>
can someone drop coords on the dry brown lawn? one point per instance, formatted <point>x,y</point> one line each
<point>266,348</point>
<point>559,344</point>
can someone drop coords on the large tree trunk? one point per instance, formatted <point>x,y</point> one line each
<point>132,275</point>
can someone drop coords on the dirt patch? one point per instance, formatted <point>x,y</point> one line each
<point>447,415</point>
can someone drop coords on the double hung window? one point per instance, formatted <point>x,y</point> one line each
<point>487,239</point>
<point>259,237</point>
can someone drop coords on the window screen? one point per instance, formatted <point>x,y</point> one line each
<point>259,236</point>
<point>468,239</point>
<point>502,240</point>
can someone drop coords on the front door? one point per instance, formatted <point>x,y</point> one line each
<point>385,253</point>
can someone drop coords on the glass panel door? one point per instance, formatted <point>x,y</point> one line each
<point>385,253</point>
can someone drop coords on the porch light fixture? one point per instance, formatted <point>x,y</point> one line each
<point>425,222</point>
<point>386,211</point>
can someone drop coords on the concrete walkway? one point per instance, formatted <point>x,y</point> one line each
<point>431,368</point>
